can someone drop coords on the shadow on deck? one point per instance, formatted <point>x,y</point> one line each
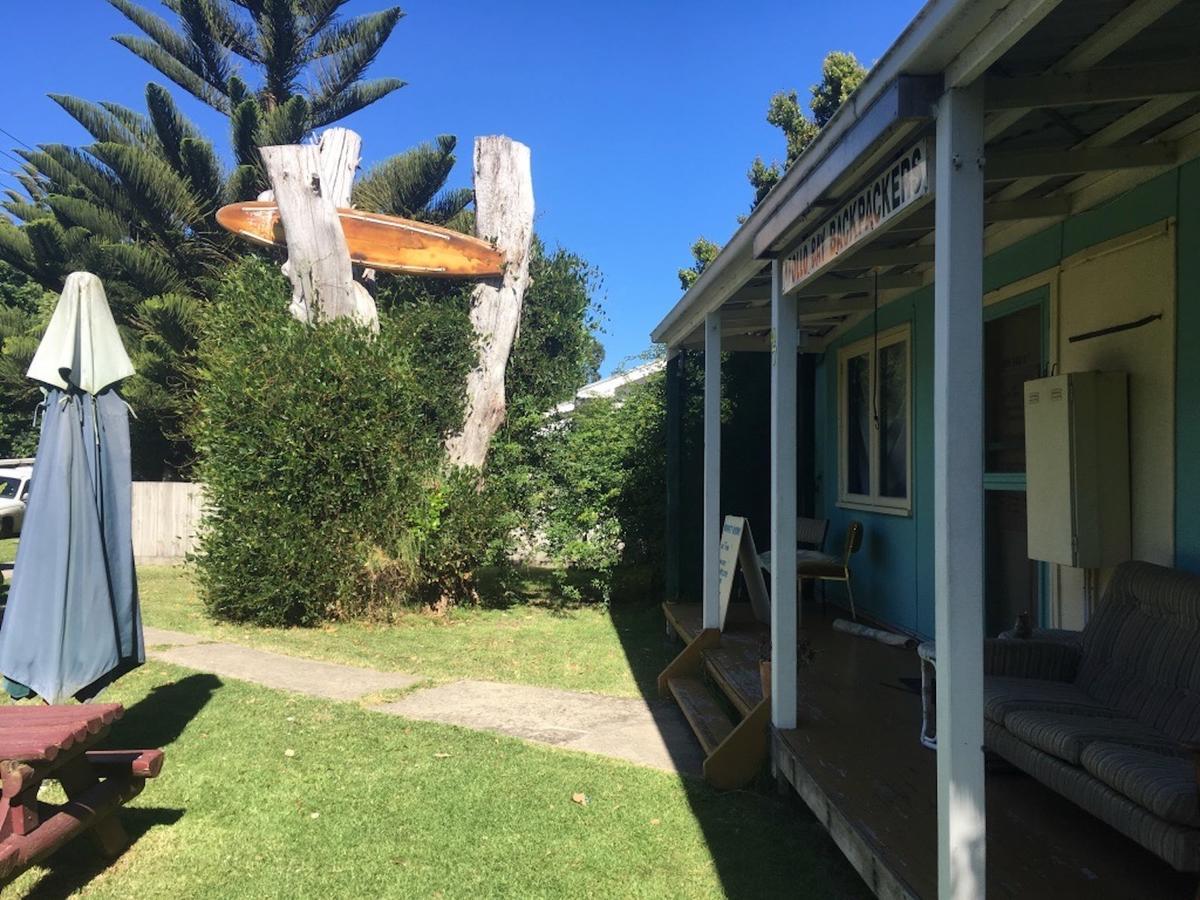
<point>856,761</point>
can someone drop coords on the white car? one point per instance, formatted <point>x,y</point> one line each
<point>14,495</point>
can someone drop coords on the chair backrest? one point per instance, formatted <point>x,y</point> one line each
<point>810,533</point>
<point>1141,645</point>
<point>854,535</point>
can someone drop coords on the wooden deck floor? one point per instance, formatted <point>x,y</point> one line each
<point>856,761</point>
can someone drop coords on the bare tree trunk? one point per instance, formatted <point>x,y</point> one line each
<point>309,184</point>
<point>504,215</point>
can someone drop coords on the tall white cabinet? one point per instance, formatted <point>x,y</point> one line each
<point>1077,468</point>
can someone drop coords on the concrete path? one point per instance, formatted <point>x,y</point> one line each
<point>285,673</point>
<point>652,733</point>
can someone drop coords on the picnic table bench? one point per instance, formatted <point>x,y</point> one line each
<point>55,742</point>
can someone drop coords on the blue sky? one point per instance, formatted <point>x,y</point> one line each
<point>642,117</point>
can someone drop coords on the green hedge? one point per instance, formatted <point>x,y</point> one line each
<point>321,450</point>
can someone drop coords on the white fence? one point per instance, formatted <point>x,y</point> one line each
<point>165,517</point>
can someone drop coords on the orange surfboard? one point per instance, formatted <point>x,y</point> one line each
<point>387,243</point>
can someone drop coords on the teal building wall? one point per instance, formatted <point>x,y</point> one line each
<point>893,574</point>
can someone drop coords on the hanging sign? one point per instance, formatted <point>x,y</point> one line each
<point>882,200</point>
<point>737,547</point>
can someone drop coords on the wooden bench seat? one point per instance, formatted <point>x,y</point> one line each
<point>39,743</point>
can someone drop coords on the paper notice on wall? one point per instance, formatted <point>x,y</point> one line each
<point>737,549</point>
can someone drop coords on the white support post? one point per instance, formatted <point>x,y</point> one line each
<point>784,346</point>
<point>958,492</point>
<point>712,468</point>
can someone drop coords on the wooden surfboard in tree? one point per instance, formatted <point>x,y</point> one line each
<point>386,243</point>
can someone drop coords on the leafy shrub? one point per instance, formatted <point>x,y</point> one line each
<point>597,487</point>
<point>321,451</point>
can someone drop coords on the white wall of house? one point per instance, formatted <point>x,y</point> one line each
<point>1119,281</point>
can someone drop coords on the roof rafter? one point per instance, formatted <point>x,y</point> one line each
<point>1002,166</point>
<point>1108,38</point>
<point>1092,86</point>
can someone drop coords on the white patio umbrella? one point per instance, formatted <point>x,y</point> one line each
<point>72,622</point>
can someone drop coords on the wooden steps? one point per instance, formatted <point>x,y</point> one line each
<point>734,670</point>
<point>716,683</point>
<point>710,723</point>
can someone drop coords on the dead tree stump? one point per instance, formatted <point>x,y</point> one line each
<point>503,215</point>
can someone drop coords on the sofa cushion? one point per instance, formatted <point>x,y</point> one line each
<point>1065,735</point>
<point>1162,782</point>
<point>1178,844</point>
<point>1002,696</point>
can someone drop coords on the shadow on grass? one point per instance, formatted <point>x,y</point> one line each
<point>525,584</point>
<point>762,845</point>
<point>161,716</point>
<point>155,721</point>
<point>70,869</point>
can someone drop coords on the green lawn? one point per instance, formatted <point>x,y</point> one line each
<point>617,650</point>
<point>8,550</point>
<point>369,805</point>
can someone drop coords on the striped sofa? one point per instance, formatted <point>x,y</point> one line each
<point>1110,717</point>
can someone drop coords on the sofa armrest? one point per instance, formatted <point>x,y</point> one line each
<point>1045,660</point>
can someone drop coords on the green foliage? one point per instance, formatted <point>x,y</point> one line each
<point>704,252</point>
<point>297,49</point>
<point>23,307</point>
<point>556,350</point>
<point>841,73</point>
<point>137,207</point>
<point>278,69</point>
<point>322,452</point>
<point>597,482</point>
<point>163,342</point>
<point>322,449</point>
<point>410,184</point>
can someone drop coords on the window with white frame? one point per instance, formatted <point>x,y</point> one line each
<point>875,423</point>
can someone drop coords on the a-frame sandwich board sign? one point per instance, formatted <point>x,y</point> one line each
<point>737,548</point>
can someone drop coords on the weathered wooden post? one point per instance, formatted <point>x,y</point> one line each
<point>310,182</point>
<point>503,215</point>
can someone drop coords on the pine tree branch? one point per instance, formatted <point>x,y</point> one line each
<point>282,49</point>
<point>175,70</point>
<point>98,219</point>
<point>158,192</point>
<point>170,126</point>
<point>98,121</point>
<point>103,186</point>
<point>344,54</point>
<point>137,124</point>
<point>329,109</point>
<point>157,29</point>
<point>403,185</point>
<point>209,57</point>
<point>319,15</point>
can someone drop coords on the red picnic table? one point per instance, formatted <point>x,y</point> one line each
<point>54,742</point>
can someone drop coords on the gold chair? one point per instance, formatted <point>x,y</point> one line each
<point>819,566</point>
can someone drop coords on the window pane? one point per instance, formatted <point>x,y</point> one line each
<point>858,424</point>
<point>893,420</point>
<point>1012,355</point>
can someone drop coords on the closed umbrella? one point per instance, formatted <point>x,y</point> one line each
<point>72,623</point>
